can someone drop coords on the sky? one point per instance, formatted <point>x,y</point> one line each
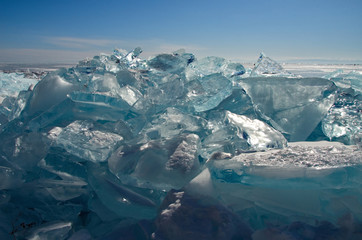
<point>67,31</point>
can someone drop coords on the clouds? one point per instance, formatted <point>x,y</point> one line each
<point>150,46</point>
<point>80,43</point>
<point>67,49</point>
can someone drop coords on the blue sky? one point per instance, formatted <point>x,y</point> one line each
<point>67,31</point>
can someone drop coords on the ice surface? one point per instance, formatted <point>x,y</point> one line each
<point>293,106</point>
<point>176,147</point>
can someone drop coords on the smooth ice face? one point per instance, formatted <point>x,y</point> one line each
<point>80,139</point>
<point>293,106</point>
<point>119,199</point>
<point>50,91</point>
<point>159,164</point>
<point>267,67</point>
<point>171,123</point>
<point>209,91</point>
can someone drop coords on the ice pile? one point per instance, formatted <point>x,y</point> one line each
<point>176,147</point>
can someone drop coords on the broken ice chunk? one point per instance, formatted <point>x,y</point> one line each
<point>126,59</point>
<point>19,104</point>
<point>100,99</point>
<point>158,164</point>
<point>238,102</point>
<point>292,105</point>
<point>343,121</point>
<point>124,201</point>
<point>351,80</point>
<point>183,158</point>
<point>50,91</point>
<point>236,133</point>
<point>104,83</point>
<point>130,94</point>
<point>337,78</point>
<point>64,190</point>
<point>12,83</point>
<point>207,92</point>
<point>80,139</point>
<point>258,134</point>
<point>173,63</point>
<point>265,66</point>
<point>212,65</point>
<point>168,91</point>
<point>172,122</point>
<point>356,80</point>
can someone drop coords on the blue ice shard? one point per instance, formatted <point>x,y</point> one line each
<point>293,106</point>
<point>265,66</point>
<point>122,200</point>
<point>159,164</point>
<point>12,83</point>
<point>212,65</point>
<point>79,139</point>
<point>343,121</point>
<point>172,63</point>
<point>172,122</point>
<point>207,92</point>
<point>235,133</point>
<point>352,80</point>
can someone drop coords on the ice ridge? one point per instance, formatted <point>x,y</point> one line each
<point>176,147</point>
